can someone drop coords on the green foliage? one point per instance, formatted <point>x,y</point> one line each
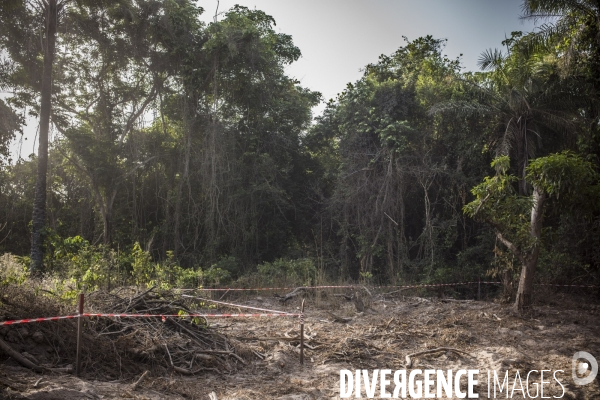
<point>366,277</point>
<point>75,258</point>
<point>215,276</point>
<point>230,172</point>
<point>77,264</point>
<point>564,177</point>
<point>229,264</point>
<point>497,202</point>
<point>567,177</point>
<point>13,269</point>
<point>300,271</point>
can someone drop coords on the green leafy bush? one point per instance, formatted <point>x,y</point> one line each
<point>301,271</point>
<point>13,269</point>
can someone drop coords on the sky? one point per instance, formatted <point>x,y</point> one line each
<point>339,37</point>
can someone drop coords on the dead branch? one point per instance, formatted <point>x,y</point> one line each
<point>139,381</point>
<point>396,291</point>
<point>440,349</point>
<point>276,338</point>
<point>455,301</point>
<point>291,295</point>
<point>346,296</point>
<point>339,319</point>
<point>388,323</point>
<point>19,358</point>
<point>28,363</point>
<point>367,290</point>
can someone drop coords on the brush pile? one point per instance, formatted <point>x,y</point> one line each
<point>116,348</point>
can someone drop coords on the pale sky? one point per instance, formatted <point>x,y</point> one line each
<point>339,37</point>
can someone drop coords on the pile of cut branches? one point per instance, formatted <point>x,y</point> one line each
<point>184,344</point>
<point>116,348</point>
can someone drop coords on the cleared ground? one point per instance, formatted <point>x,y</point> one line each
<point>486,335</point>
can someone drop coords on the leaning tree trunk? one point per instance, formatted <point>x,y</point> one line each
<point>39,202</point>
<point>525,291</point>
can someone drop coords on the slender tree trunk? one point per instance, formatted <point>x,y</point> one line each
<point>525,291</point>
<point>182,179</point>
<point>390,255</point>
<point>402,256</point>
<point>105,205</point>
<point>107,224</point>
<point>39,202</point>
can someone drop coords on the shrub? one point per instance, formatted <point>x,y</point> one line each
<point>13,269</point>
<point>301,271</point>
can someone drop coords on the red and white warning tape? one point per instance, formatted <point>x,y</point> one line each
<point>233,305</point>
<point>547,284</point>
<point>269,313</point>
<point>267,288</point>
<point>163,316</point>
<point>555,284</point>
<point>29,320</point>
<point>424,285</point>
<point>373,287</point>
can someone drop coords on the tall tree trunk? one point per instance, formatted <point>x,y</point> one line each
<point>39,202</point>
<point>182,179</point>
<point>105,204</point>
<point>525,291</point>
<point>107,224</point>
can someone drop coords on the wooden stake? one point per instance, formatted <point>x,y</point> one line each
<point>79,333</point>
<point>479,289</point>
<point>302,334</point>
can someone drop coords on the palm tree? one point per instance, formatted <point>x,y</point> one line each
<point>521,96</point>
<point>576,22</point>
<point>573,26</point>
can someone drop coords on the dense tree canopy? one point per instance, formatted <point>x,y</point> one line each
<point>186,144</point>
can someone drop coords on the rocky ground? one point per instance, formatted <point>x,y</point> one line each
<point>481,335</point>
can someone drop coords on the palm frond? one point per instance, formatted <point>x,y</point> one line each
<point>545,37</point>
<point>551,8</point>
<point>490,59</point>
<point>507,140</point>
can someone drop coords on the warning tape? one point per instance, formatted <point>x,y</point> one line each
<point>233,305</point>
<point>163,316</point>
<point>424,285</point>
<point>372,287</point>
<point>555,284</point>
<point>29,320</point>
<point>270,313</point>
<point>550,284</point>
<point>327,287</point>
<point>268,288</point>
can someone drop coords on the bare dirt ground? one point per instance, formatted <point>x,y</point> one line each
<point>380,337</point>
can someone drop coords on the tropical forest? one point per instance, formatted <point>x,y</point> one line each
<point>177,156</point>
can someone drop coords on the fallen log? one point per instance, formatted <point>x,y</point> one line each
<point>19,358</point>
<point>15,355</point>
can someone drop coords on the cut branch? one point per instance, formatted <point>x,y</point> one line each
<point>440,349</point>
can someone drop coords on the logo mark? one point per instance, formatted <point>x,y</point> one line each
<point>580,368</point>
